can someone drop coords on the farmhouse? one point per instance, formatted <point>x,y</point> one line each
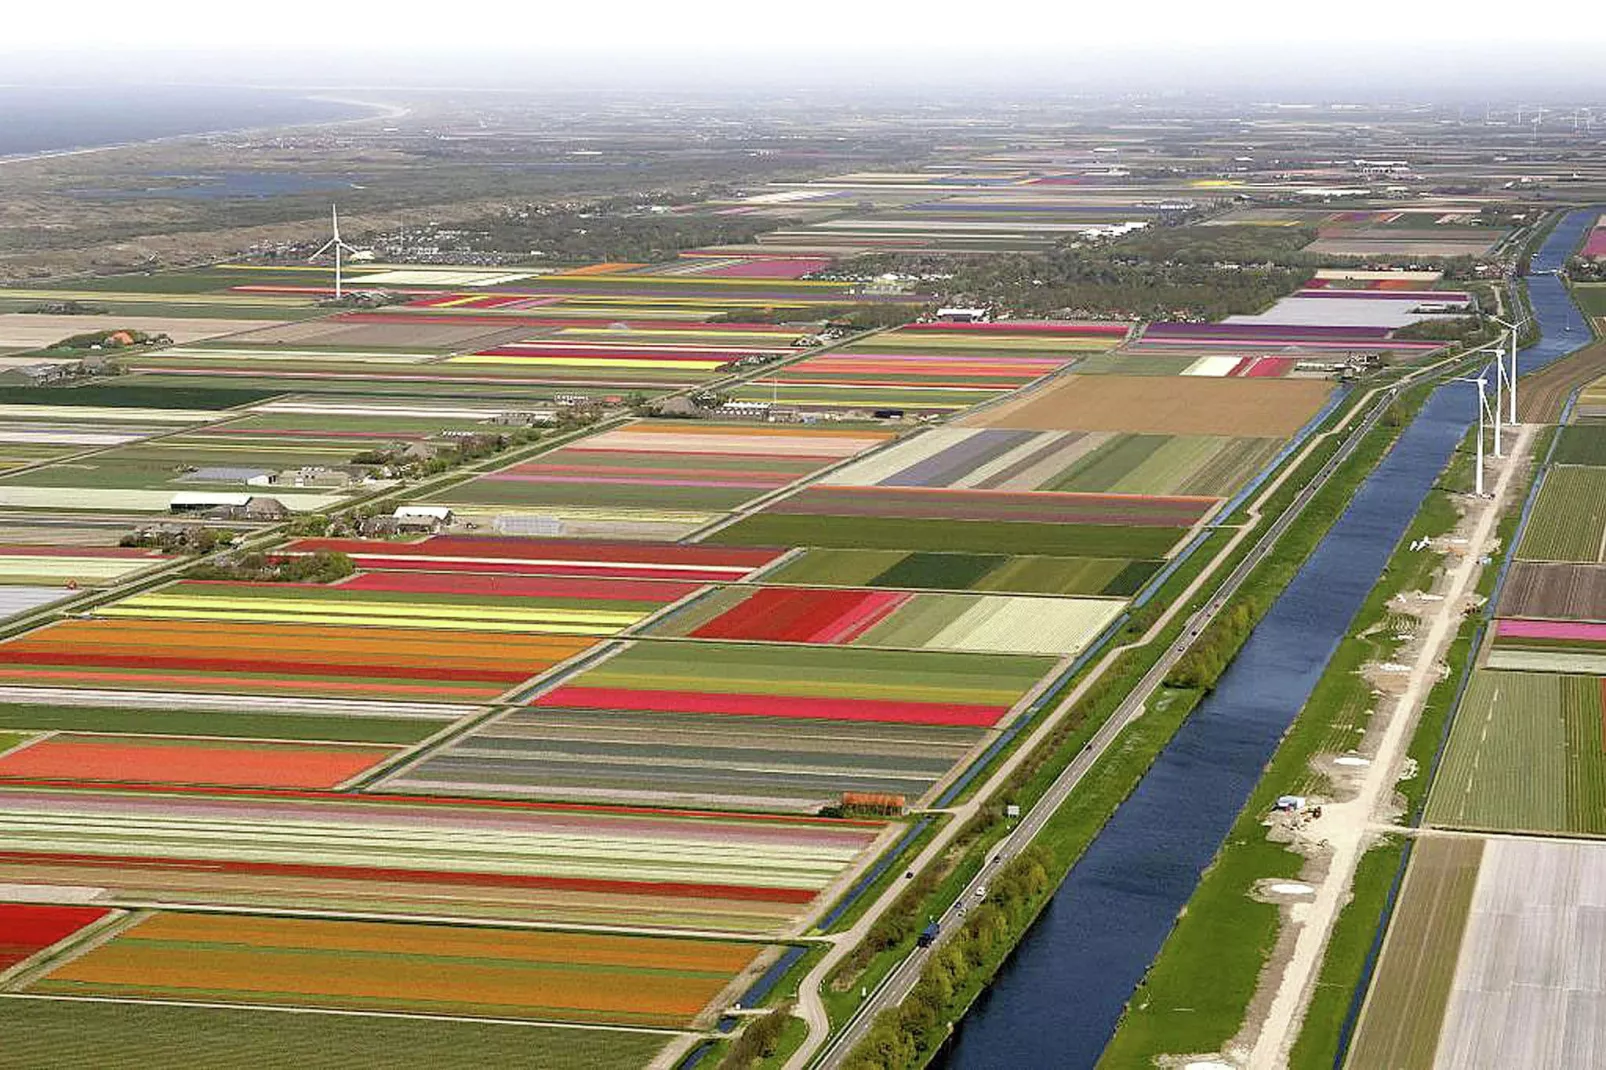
<point>431,518</point>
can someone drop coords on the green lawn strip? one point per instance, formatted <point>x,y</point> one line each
<point>1212,960</point>
<point>51,1034</point>
<point>964,536</point>
<point>1345,959</point>
<point>218,724</point>
<point>11,739</point>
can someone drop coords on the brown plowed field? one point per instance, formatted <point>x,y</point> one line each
<point>26,330</point>
<point>1556,591</point>
<point>1167,405</point>
<point>1542,395</point>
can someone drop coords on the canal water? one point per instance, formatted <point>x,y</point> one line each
<point>1058,999</point>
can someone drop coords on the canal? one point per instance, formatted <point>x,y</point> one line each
<point>1059,998</point>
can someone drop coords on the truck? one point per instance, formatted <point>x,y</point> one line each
<point>928,935</point>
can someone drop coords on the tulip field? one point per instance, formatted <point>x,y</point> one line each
<point>29,928</point>
<point>902,619</point>
<point>660,869</point>
<point>559,766</point>
<point>477,972</point>
<point>661,472</point>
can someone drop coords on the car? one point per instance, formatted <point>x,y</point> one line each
<point>981,891</point>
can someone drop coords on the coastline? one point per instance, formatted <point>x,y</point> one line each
<point>381,112</point>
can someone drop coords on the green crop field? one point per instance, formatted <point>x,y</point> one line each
<point>1568,522</point>
<point>1525,754</point>
<point>996,573</point>
<point>136,395</point>
<point>63,1034</point>
<point>1591,297</point>
<point>1205,465</point>
<point>1399,1027</point>
<point>962,536</point>
<point>1582,444</point>
<point>231,725</point>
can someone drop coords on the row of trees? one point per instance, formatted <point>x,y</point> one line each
<point>906,1035</point>
<point>323,566</point>
<point>1214,650</point>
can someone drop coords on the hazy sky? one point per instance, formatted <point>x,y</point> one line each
<point>631,41</point>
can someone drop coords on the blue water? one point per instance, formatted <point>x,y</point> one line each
<point>55,118</point>
<point>1058,999</point>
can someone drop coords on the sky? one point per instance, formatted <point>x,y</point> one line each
<point>1148,43</point>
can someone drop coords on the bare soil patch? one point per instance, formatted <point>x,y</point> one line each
<point>1175,405</point>
<point>1554,590</point>
<point>26,330</point>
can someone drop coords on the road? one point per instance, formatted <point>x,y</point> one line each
<point>903,977</point>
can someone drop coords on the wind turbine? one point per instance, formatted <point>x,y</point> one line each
<point>1483,409</point>
<point>337,245</point>
<point>1511,377</point>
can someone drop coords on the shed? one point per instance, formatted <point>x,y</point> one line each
<point>197,501</point>
<point>426,517</point>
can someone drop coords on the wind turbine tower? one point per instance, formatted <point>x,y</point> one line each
<point>338,246</point>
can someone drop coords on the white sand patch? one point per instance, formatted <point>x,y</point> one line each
<point>49,893</point>
<point>440,277</point>
<point>109,414</point>
<point>1212,367</point>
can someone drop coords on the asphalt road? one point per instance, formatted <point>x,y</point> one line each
<point>897,983</point>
